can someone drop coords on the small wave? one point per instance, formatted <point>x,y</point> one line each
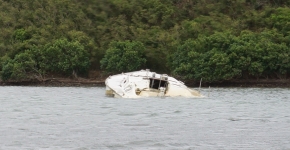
<point>177,111</point>
<point>127,114</point>
<point>138,125</point>
<point>234,119</point>
<point>153,115</point>
<point>105,107</point>
<point>142,142</point>
<point>17,110</point>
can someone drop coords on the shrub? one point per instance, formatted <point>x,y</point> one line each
<point>124,56</point>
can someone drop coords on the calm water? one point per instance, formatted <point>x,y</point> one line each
<point>83,118</point>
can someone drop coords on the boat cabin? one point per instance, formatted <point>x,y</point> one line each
<point>156,83</point>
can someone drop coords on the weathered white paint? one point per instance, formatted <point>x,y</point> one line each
<point>137,84</point>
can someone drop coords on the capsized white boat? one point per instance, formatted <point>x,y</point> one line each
<point>145,83</point>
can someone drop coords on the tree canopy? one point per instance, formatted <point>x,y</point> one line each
<point>124,56</point>
<point>214,40</point>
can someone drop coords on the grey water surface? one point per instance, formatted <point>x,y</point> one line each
<point>82,118</point>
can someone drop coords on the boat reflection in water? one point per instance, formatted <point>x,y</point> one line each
<point>145,83</point>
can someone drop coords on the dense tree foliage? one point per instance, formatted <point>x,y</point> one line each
<point>124,56</point>
<point>214,40</point>
<point>21,67</point>
<point>60,57</point>
<point>223,56</point>
<point>64,57</point>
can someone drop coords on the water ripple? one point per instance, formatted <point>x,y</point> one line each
<point>83,118</point>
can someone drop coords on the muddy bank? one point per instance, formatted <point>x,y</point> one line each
<point>283,83</point>
<point>101,82</point>
<point>61,82</point>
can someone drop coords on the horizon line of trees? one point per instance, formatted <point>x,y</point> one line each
<point>213,40</point>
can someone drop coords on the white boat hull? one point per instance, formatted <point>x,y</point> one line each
<point>146,84</point>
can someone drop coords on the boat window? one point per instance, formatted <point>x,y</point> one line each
<point>155,83</point>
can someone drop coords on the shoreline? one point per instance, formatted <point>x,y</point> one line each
<point>271,83</point>
<point>79,82</point>
<point>58,82</point>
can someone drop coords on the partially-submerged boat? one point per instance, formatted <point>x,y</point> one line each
<point>145,83</point>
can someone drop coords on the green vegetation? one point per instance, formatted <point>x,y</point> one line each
<point>222,56</point>
<point>59,57</point>
<point>124,56</point>
<point>214,40</point>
